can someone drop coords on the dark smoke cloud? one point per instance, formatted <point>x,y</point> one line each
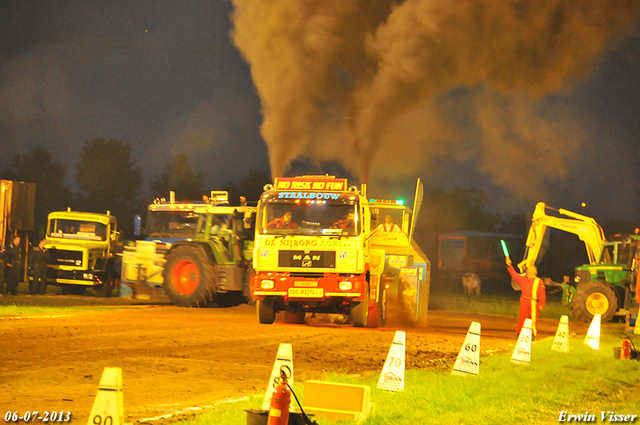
<point>389,88</point>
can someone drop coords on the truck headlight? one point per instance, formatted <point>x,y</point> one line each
<point>267,284</point>
<point>576,279</point>
<point>345,286</point>
<point>87,276</point>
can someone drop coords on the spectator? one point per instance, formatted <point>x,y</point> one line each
<point>39,270</point>
<point>14,263</point>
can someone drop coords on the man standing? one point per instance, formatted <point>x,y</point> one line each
<point>532,298</point>
<point>13,258</point>
<point>39,256</point>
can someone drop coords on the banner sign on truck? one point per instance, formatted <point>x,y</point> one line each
<point>311,183</point>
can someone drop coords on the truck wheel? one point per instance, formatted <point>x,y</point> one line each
<point>360,311</point>
<point>246,289</point>
<point>379,317</point>
<point>296,318</point>
<point>593,298</point>
<point>189,277</point>
<point>105,289</point>
<point>266,311</point>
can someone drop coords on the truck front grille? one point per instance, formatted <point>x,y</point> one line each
<point>309,259</point>
<point>61,257</point>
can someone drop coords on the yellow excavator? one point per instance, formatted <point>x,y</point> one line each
<point>605,285</point>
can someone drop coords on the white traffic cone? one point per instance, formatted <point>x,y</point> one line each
<point>468,361</point>
<point>283,358</point>
<point>593,335</point>
<point>392,376</point>
<point>522,352</point>
<point>561,341</point>
<point>108,407</point>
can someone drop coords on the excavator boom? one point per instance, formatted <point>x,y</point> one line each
<point>584,227</point>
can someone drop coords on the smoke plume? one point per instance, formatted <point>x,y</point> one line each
<point>389,88</point>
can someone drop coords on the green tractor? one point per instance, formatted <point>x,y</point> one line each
<point>607,288</point>
<point>202,252</point>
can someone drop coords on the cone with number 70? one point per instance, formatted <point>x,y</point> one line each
<point>392,376</point>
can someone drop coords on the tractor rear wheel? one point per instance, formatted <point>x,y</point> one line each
<point>190,279</point>
<point>593,298</point>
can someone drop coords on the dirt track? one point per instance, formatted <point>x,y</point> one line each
<point>173,358</point>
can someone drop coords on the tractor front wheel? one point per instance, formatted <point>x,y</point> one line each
<point>593,298</point>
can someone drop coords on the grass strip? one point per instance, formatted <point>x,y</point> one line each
<point>583,381</point>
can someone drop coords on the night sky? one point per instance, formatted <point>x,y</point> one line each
<point>169,77</point>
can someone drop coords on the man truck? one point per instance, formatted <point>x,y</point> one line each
<point>81,249</point>
<point>319,248</point>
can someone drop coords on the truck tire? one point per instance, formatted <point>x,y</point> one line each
<point>189,277</point>
<point>294,318</point>
<point>378,317</point>
<point>105,289</point>
<point>246,289</point>
<point>266,311</point>
<point>360,311</point>
<point>593,298</point>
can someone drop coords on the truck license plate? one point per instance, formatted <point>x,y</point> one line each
<point>306,292</point>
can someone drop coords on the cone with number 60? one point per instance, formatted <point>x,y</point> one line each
<point>468,361</point>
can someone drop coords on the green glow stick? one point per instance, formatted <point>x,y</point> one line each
<point>504,247</point>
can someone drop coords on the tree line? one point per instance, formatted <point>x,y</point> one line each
<point>108,178</point>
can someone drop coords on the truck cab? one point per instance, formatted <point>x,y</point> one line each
<point>318,249</point>
<point>82,249</point>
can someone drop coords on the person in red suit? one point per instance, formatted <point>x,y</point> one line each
<point>283,222</point>
<point>532,298</point>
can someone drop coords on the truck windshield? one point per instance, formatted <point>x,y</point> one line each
<point>339,217</point>
<point>77,229</point>
<point>168,224</point>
